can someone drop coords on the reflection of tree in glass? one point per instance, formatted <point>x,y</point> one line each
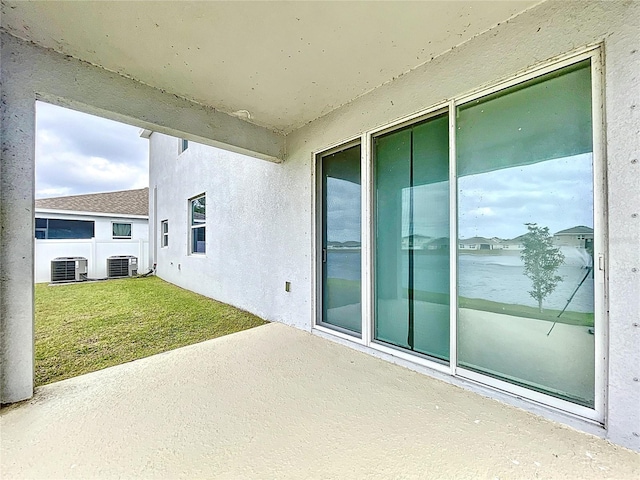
<point>198,211</point>
<point>541,261</point>
<point>199,206</point>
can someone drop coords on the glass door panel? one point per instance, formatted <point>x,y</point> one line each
<point>341,246</point>
<point>526,231</point>
<point>412,237</point>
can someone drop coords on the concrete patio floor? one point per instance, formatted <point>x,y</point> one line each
<point>276,402</point>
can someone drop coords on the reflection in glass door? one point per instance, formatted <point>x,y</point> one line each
<point>526,233</point>
<point>412,237</point>
<point>341,245</point>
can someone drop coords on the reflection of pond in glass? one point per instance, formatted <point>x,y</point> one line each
<point>481,277</point>
<point>343,264</point>
<point>494,278</point>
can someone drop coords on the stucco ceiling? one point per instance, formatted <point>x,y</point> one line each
<point>286,63</point>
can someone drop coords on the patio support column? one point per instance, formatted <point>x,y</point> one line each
<point>17,127</point>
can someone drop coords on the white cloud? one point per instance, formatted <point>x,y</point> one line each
<point>78,153</point>
<point>482,212</point>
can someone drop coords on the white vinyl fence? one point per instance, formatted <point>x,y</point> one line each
<point>95,251</point>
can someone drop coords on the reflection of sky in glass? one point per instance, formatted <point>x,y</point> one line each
<point>429,218</point>
<point>555,193</point>
<point>343,210</point>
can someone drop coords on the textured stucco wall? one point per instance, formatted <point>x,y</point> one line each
<point>257,228</point>
<point>275,202</point>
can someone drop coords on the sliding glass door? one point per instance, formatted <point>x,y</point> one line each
<point>341,245</point>
<point>526,235</point>
<point>511,170</point>
<point>412,237</point>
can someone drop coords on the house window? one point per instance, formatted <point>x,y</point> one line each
<point>164,232</point>
<point>182,145</point>
<point>198,228</point>
<point>41,228</point>
<point>121,230</point>
<point>57,229</point>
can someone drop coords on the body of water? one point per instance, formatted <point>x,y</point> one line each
<point>497,278</point>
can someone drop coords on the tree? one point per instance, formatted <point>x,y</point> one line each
<point>541,261</point>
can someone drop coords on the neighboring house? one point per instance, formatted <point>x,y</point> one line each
<point>580,236</point>
<point>512,244</point>
<point>94,226</point>
<point>478,243</point>
<point>441,243</point>
<point>348,245</point>
<point>420,242</point>
<point>486,113</point>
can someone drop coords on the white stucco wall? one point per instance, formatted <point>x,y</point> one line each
<point>260,216</point>
<point>257,228</point>
<point>95,250</point>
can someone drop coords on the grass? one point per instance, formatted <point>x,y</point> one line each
<point>346,292</point>
<point>568,317</point>
<point>85,327</point>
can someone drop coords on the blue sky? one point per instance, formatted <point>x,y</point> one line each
<point>78,153</point>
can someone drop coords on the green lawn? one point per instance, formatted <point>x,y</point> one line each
<point>85,327</point>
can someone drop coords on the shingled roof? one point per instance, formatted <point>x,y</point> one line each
<point>580,229</point>
<point>125,202</point>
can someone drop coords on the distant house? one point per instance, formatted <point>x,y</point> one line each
<point>514,244</point>
<point>419,242</point>
<point>479,243</point>
<point>94,226</point>
<point>348,245</point>
<point>441,243</point>
<point>580,236</point>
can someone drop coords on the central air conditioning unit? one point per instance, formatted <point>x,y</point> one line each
<point>122,266</point>
<point>68,269</point>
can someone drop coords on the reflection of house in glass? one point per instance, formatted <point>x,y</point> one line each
<point>423,242</point>
<point>513,244</point>
<point>418,242</point>
<point>479,243</point>
<point>348,245</point>
<point>441,243</point>
<point>579,236</point>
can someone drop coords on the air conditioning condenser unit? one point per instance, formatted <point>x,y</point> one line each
<point>68,269</point>
<point>122,266</point>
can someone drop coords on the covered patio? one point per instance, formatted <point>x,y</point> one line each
<point>277,402</point>
<point>275,87</point>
